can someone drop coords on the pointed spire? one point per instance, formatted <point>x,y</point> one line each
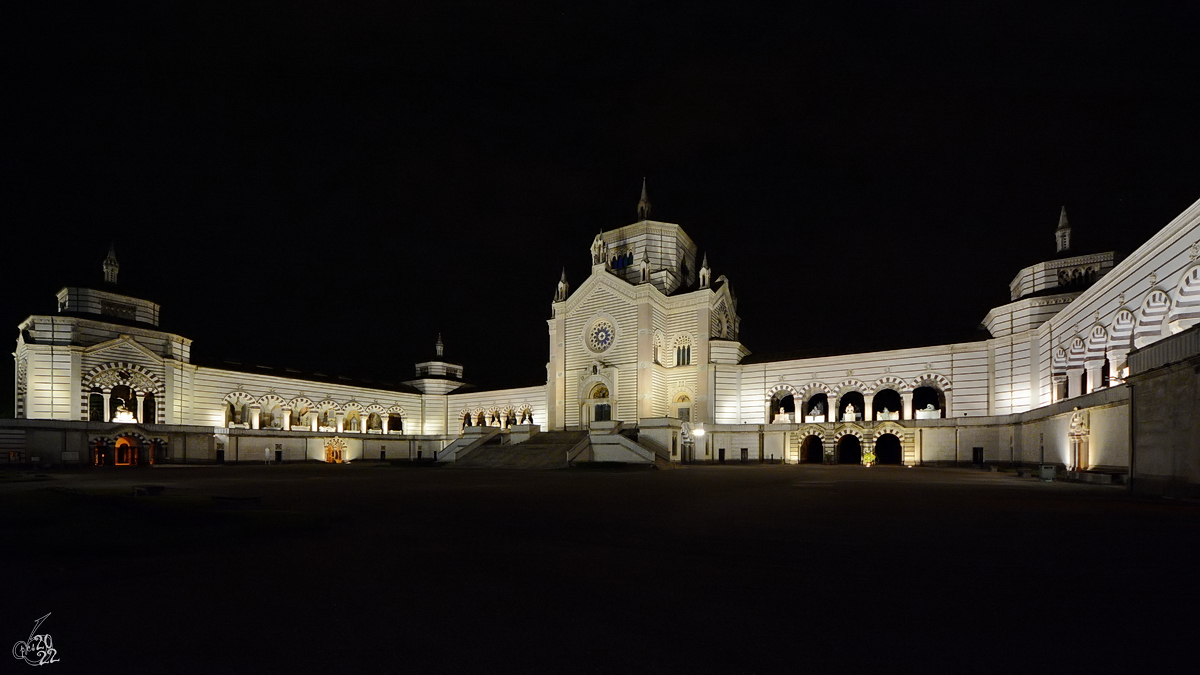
<point>439,347</point>
<point>1062,236</point>
<point>563,287</point>
<point>111,267</point>
<point>643,207</point>
<point>705,263</point>
<point>705,272</point>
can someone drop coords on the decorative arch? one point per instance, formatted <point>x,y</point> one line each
<point>1121,333</point>
<point>396,410</point>
<point>813,388</point>
<point>1186,311</point>
<point>851,385</point>
<point>1058,361</point>
<point>848,431</point>
<point>116,373</point>
<point>932,379</point>
<point>1097,345</point>
<point>782,387</point>
<point>658,345</point>
<point>811,430</point>
<point>890,382</point>
<point>103,378</point>
<point>1076,353</point>
<point>1150,318</point>
<point>892,429</point>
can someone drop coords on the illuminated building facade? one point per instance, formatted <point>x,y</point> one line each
<point>644,360</point>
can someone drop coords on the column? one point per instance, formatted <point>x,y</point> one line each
<point>341,420</point>
<point>1075,382</point>
<point>384,418</point>
<point>1058,383</point>
<point>1094,371</point>
<point>135,405</point>
<point>287,418</point>
<point>868,407</point>
<point>255,416</point>
<point>312,421</point>
<point>1116,365</point>
<point>107,410</point>
<point>906,398</point>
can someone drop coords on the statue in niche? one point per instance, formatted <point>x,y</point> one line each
<point>123,414</point>
<point>267,421</point>
<point>817,409</point>
<point>929,407</point>
<point>373,422</point>
<point>850,410</point>
<point>237,413</point>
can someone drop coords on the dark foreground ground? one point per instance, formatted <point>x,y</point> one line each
<point>705,569</point>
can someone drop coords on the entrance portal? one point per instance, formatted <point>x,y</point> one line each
<point>812,451</point>
<point>849,450</point>
<point>127,451</point>
<point>888,450</point>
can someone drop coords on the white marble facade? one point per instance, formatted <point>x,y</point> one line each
<point>653,333</point>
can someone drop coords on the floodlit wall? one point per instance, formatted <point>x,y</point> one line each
<point>498,402</point>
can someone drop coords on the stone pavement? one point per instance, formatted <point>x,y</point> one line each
<point>704,569</point>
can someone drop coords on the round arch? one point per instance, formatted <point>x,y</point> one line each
<point>889,447</point>
<point>1150,317</point>
<point>848,447</point>
<point>1185,312</point>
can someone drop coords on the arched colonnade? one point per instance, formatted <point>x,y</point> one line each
<point>1084,361</point>
<point>242,410</point>
<point>889,398</point>
<point>889,443</point>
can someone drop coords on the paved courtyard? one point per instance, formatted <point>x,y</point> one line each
<point>373,568</point>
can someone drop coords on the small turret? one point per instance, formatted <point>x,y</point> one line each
<point>705,272</point>
<point>110,266</point>
<point>439,347</point>
<point>1062,235</point>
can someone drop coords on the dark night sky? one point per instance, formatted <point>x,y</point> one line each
<point>327,187</point>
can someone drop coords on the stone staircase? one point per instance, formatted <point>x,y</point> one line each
<point>546,450</point>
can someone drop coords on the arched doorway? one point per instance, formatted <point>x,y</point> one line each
<point>812,451</point>
<point>598,406</point>
<point>849,450</point>
<point>886,405</point>
<point>683,407</point>
<point>102,453</point>
<point>888,450</point>
<point>853,398</point>
<point>126,451</point>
